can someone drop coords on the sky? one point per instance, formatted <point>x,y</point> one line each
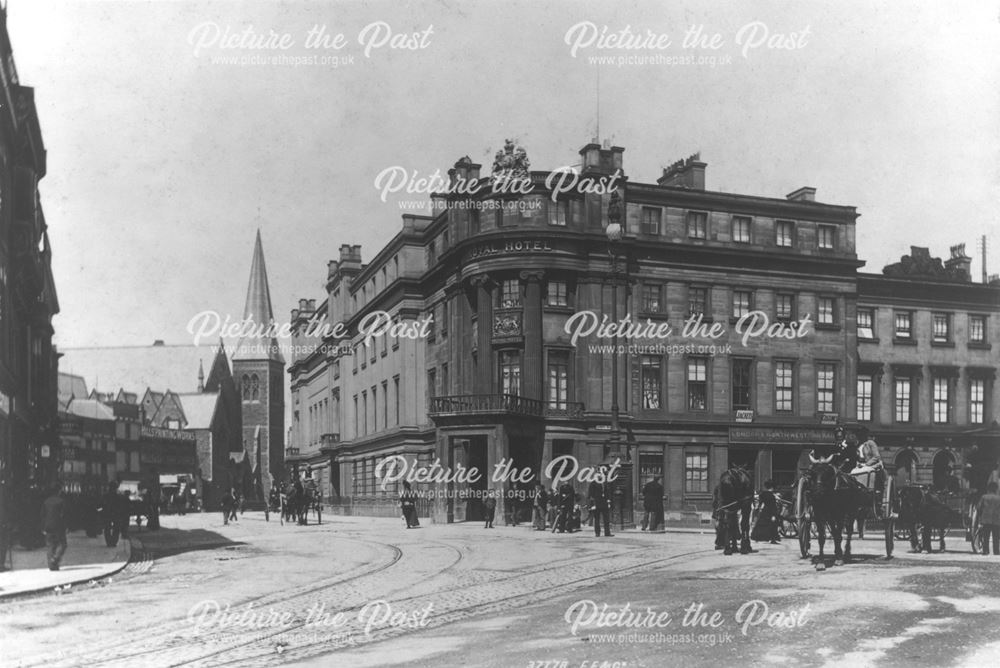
<point>170,143</point>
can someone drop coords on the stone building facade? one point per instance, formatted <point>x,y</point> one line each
<point>928,351</point>
<point>759,293</point>
<point>28,361</point>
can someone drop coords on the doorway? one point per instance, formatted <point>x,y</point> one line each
<point>476,457</point>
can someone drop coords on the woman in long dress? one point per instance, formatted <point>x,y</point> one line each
<point>767,522</point>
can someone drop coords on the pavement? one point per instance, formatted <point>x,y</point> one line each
<point>86,560</point>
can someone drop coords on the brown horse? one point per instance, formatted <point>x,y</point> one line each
<point>919,507</point>
<point>836,503</point>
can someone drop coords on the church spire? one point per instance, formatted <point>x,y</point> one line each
<point>258,311</point>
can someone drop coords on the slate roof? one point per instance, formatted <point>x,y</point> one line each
<point>71,386</point>
<point>199,409</point>
<point>90,408</point>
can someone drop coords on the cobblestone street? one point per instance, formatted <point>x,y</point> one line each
<point>364,591</point>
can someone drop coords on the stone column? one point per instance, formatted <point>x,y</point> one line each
<point>484,316</point>
<point>531,328</point>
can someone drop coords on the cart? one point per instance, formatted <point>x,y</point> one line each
<point>885,507</point>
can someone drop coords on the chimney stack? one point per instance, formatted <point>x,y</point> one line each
<point>687,173</point>
<point>350,253</point>
<point>959,264</point>
<point>465,171</point>
<point>601,160</point>
<point>803,194</point>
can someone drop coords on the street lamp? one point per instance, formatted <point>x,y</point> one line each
<point>615,232</point>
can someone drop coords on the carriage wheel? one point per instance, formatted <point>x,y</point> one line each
<point>888,500</point>
<point>804,537</point>
<point>976,534</point>
<point>802,517</point>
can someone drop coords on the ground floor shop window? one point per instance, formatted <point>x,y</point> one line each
<point>696,472</point>
<point>650,467</point>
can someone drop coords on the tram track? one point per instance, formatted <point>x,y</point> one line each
<point>167,629</point>
<point>267,655</point>
<point>166,643</point>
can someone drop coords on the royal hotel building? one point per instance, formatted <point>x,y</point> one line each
<point>498,376</point>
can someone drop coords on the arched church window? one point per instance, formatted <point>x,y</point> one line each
<point>254,388</point>
<point>246,387</point>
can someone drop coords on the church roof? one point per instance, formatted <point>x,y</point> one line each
<point>258,311</point>
<point>199,409</point>
<point>135,368</point>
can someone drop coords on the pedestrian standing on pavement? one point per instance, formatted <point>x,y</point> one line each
<point>600,502</point>
<point>235,506</point>
<point>490,508</point>
<point>553,509</point>
<point>510,507</point>
<point>539,507</point>
<point>227,506</point>
<point>652,505</point>
<point>111,513</point>
<point>124,513</point>
<point>766,527</point>
<point>576,517</point>
<point>989,518</point>
<point>408,503</point>
<point>567,499</point>
<point>54,526</point>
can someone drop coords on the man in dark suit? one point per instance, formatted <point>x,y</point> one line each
<point>652,505</point>
<point>54,526</point>
<point>566,501</point>
<point>112,510</point>
<point>599,494</point>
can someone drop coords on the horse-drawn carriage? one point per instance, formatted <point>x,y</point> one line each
<point>826,498</point>
<point>924,511</point>
<point>298,500</point>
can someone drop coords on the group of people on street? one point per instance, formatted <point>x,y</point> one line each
<point>560,510</point>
